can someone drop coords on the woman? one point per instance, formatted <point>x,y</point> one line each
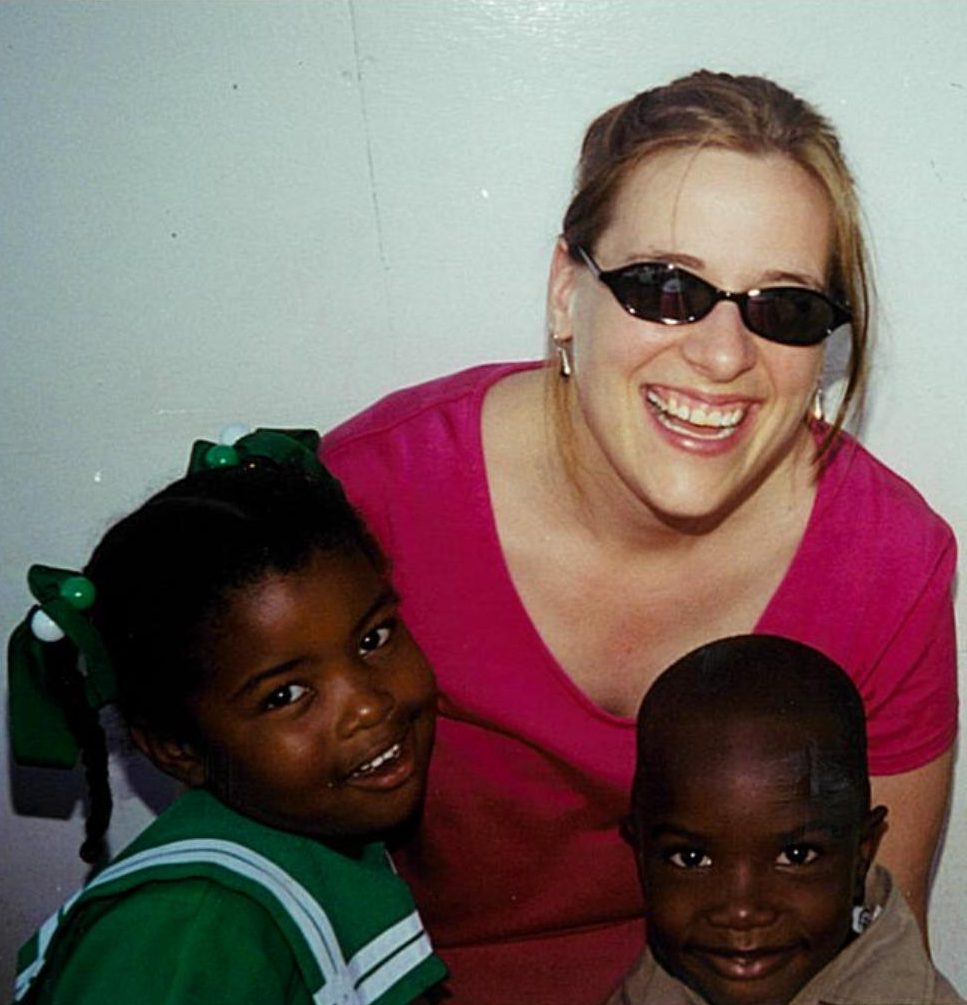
<point>561,533</point>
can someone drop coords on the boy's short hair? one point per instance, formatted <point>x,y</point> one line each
<point>749,677</point>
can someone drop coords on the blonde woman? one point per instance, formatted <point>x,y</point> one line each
<point>561,531</point>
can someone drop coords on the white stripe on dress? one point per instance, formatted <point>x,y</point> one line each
<point>304,910</point>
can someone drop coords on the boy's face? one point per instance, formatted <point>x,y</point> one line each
<point>317,713</point>
<point>749,869</point>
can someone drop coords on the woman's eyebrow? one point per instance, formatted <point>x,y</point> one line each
<point>772,277</point>
<point>780,276</point>
<point>661,255</point>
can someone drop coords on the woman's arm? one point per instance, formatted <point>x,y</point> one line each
<point>917,801</point>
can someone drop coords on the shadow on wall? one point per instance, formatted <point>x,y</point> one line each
<point>56,793</point>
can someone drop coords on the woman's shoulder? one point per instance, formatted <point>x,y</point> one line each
<point>864,498</point>
<point>458,395</point>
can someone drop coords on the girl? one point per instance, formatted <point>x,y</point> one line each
<point>243,620</point>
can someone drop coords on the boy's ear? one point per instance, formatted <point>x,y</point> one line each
<point>177,758</point>
<point>630,831</point>
<point>873,829</point>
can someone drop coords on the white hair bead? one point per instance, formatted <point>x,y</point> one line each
<point>45,628</point>
<point>231,434</point>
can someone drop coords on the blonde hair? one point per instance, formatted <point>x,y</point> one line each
<point>749,115</point>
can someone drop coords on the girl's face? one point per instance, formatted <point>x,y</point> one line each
<point>689,419</point>
<point>317,715</point>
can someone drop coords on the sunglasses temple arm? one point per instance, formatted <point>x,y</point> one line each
<point>589,261</point>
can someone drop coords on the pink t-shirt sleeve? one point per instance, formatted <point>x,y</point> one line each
<point>871,586</point>
<point>912,693</point>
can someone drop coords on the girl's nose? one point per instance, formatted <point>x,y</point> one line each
<point>744,901</point>
<point>364,699</point>
<point>720,346</point>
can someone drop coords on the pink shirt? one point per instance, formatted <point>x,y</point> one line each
<point>527,890</point>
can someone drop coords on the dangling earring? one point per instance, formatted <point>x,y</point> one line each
<point>563,358</point>
<point>818,410</point>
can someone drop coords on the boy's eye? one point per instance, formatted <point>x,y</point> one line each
<point>375,638</point>
<point>688,858</point>
<point>286,694</point>
<point>798,854</point>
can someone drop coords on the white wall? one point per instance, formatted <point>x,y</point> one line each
<point>276,212</point>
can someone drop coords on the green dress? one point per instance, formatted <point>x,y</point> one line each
<point>209,906</point>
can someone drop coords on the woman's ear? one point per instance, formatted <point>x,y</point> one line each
<point>873,829</point>
<point>177,758</point>
<point>560,285</point>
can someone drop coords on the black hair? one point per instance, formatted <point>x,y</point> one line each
<point>748,677</point>
<point>165,573</point>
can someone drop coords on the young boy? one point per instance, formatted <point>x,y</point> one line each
<point>753,832</point>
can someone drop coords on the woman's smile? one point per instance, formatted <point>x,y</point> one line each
<point>707,424</point>
<point>705,417</point>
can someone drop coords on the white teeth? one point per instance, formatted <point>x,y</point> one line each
<point>391,754</point>
<point>715,418</point>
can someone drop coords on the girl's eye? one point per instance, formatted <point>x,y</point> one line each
<point>798,854</point>
<point>688,858</point>
<point>375,638</point>
<point>287,694</point>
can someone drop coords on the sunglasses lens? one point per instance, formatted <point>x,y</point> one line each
<point>790,316</point>
<point>655,292</point>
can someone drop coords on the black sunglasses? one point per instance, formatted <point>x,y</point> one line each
<point>671,295</point>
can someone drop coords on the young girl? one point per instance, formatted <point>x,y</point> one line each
<point>244,622</point>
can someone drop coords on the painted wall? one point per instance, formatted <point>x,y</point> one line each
<point>218,211</point>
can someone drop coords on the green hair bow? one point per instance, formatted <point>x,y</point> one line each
<point>284,446</point>
<point>40,733</point>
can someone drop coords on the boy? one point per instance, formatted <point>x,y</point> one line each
<point>753,833</point>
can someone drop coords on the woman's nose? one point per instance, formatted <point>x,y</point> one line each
<point>720,346</point>
<point>364,700</point>
<point>744,900</point>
